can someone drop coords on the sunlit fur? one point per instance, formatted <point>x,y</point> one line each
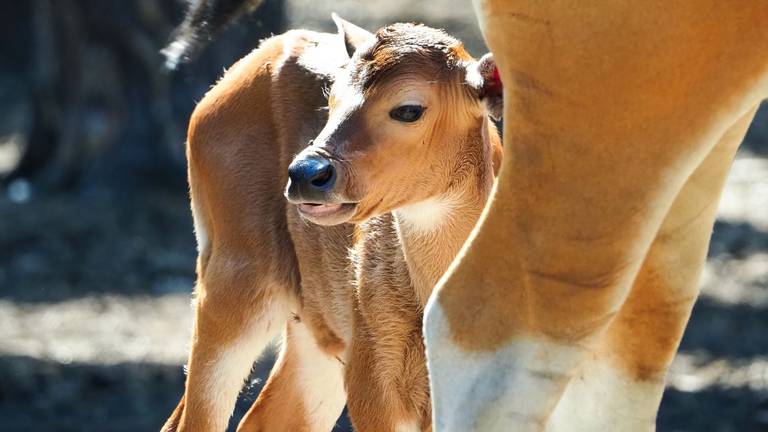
<point>389,168</point>
<point>571,298</point>
<point>258,265</point>
<point>383,160</point>
<point>349,302</point>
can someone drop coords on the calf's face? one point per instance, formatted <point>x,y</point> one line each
<point>405,118</point>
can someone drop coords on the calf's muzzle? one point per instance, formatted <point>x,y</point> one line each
<point>310,178</point>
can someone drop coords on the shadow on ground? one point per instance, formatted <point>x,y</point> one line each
<point>714,410</point>
<point>51,396</point>
<point>737,240</point>
<point>56,248</point>
<point>96,243</point>
<point>756,140</point>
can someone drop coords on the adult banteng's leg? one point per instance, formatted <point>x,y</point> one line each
<point>608,113</point>
<point>620,386</point>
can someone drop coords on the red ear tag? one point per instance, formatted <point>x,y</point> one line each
<point>496,76</point>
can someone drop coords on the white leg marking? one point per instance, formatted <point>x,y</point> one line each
<point>201,235</point>
<point>233,364</point>
<point>600,397</point>
<point>410,426</point>
<point>321,379</point>
<point>509,389</point>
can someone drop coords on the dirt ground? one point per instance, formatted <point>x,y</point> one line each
<point>95,294</point>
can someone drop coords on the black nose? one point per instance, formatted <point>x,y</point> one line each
<point>312,176</point>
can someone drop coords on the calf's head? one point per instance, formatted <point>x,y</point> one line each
<point>406,117</point>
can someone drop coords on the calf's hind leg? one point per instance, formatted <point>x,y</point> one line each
<point>237,312</point>
<point>305,391</point>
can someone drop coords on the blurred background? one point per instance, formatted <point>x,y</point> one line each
<point>96,246</point>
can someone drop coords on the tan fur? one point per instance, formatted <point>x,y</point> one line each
<point>263,264</point>
<point>450,152</point>
<point>621,122</point>
<point>260,255</point>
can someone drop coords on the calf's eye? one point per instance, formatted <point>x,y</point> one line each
<point>407,113</point>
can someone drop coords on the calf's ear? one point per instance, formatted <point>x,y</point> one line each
<point>483,76</point>
<point>352,36</point>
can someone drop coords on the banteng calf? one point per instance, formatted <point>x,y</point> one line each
<point>406,156</point>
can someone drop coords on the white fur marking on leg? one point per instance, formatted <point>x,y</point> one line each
<point>233,364</point>
<point>508,389</point>
<point>322,379</point>
<point>201,234</point>
<point>601,397</point>
<point>410,426</point>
